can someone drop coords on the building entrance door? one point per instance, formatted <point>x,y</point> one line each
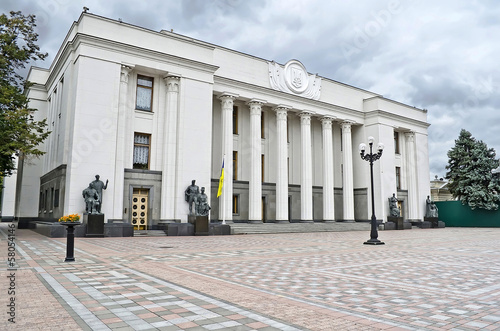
<point>263,214</point>
<point>140,209</point>
<point>400,206</point>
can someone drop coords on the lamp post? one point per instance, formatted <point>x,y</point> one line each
<point>372,158</point>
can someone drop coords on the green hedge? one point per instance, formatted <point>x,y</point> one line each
<point>454,214</point>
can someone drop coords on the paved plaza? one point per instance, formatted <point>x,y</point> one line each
<point>421,279</point>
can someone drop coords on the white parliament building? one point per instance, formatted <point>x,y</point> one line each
<point>151,111</point>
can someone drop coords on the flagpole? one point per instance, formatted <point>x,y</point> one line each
<point>223,195</point>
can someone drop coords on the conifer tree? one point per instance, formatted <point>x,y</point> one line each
<point>20,133</point>
<point>470,165</point>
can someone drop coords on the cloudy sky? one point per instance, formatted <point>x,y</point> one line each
<point>439,55</point>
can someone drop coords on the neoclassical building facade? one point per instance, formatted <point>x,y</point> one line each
<point>151,111</point>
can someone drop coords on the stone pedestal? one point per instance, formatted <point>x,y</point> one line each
<point>398,221</point>
<point>433,220</point>
<point>95,225</point>
<point>201,226</point>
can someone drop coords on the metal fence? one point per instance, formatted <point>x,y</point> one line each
<point>454,214</point>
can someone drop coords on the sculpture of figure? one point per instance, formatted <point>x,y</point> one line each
<point>431,210</point>
<point>190,195</point>
<point>99,186</point>
<point>202,207</point>
<point>91,199</point>
<point>393,206</point>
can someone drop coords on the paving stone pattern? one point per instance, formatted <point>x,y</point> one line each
<point>423,279</point>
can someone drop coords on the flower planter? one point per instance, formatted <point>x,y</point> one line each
<point>70,240</point>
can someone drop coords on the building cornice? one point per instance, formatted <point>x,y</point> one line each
<point>253,91</point>
<point>162,33</point>
<point>387,115</point>
<point>118,47</point>
<point>395,102</point>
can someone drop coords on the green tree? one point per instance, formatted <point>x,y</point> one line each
<point>20,133</point>
<point>470,165</point>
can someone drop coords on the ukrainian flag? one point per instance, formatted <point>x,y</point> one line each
<point>221,180</point>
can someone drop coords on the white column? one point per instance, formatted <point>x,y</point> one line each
<point>348,187</point>
<point>255,189</point>
<point>282,165</point>
<point>169,166</point>
<point>411,174</point>
<point>226,211</point>
<point>306,200</point>
<point>328,177</point>
<point>118,181</point>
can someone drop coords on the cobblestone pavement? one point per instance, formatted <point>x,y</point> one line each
<point>422,279</point>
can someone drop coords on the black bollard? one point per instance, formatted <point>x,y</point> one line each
<point>70,243</point>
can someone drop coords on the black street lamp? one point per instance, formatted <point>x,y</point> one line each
<point>372,158</point>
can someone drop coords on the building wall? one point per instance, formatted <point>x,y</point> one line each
<point>93,145</point>
<point>89,98</point>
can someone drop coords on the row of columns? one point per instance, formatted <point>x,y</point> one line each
<point>255,185</point>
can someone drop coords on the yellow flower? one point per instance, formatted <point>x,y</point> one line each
<point>70,218</point>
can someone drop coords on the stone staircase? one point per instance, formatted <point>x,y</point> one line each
<point>149,233</point>
<point>246,228</point>
<point>263,228</point>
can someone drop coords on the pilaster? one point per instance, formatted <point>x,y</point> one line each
<point>411,175</point>
<point>169,166</point>
<point>120,152</point>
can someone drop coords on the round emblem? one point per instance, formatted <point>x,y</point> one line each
<point>296,77</point>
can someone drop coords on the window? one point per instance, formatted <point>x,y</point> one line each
<point>396,142</point>
<point>288,168</point>
<point>235,120</point>
<point>141,151</point>
<point>56,198</point>
<point>262,135</point>
<point>341,140</point>
<point>144,93</point>
<point>40,202</point>
<point>398,178</point>
<point>235,165</point>
<point>263,215</point>
<point>262,166</point>
<point>236,204</point>
<point>287,132</point>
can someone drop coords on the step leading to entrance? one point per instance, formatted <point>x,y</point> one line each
<point>246,228</point>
